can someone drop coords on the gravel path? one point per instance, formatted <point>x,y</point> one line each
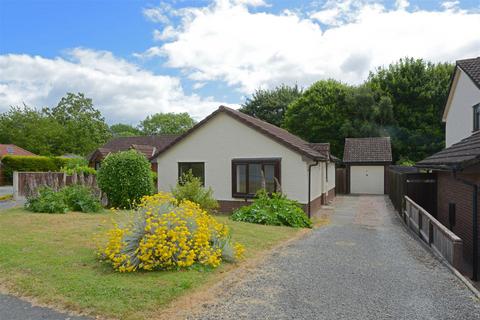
<point>364,265</point>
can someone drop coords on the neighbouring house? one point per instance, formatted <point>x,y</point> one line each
<point>147,145</point>
<point>236,154</point>
<point>11,150</point>
<point>366,161</point>
<point>457,167</point>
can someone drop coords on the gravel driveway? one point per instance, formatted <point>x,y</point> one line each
<point>364,265</point>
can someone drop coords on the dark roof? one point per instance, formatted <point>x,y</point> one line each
<point>13,150</point>
<point>458,156</point>
<point>280,135</point>
<point>144,144</point>
<point>324,148</point>
<point>365,150</point>
<point>472,68</point>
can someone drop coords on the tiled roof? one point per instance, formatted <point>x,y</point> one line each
<point>365,150</point>
<point>148,151</point>
<point>325,149</point>
<point>144,144</point>
<point>472,68</point>
<point>459,155</point>
<point>13,150</point>
<point>280,135</point>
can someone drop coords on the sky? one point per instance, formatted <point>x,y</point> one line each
<point>136,58</point>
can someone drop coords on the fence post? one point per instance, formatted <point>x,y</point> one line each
<point>430,232</point>
<point>15,185</point>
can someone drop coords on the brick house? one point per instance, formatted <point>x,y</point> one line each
<point>11,150</point>
<point>458,166</point>
<point>147,145</point>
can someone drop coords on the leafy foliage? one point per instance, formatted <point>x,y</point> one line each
<point>125,177</point>
<point>124,130</point>
<point>166,123</point>
<point>275,209</point>
<point>70,198</point>
<point>32,164</point>
<point>167,234</point>
<point>47,201</point>
<point>271,105</point>
<point>78,165</point>
<point>73,126</point>
<point>418,91</point>
<point>190,188</point>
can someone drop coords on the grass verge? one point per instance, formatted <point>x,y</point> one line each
<point>52,259</point>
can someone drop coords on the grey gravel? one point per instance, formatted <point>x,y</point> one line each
<point>364,265</point>
<point>4,190</point>
<point>12,308</point>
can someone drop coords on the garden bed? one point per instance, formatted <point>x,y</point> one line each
<point>52,259</point>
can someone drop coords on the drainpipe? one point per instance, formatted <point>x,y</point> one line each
<point>475,223</point>
<point>310,186</point>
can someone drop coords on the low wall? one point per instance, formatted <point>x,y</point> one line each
<point>26,184</point>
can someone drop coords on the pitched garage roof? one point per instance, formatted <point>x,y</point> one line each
<point>456,157</point>
<point>280,135</point>
<point>365,150</point>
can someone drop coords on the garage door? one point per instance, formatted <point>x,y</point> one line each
<point>367,179</point>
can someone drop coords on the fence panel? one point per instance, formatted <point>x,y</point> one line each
<point>341,180</point>
<point>26,184</point>
<point>443,241</point>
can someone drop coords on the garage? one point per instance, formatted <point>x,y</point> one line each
<point>367,179</point>
<point>366,160</point>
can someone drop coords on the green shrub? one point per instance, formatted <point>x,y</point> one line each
<point>81,198</point>
<point>190,188</point>
<point>33,164</point>
<point>71,198</point>
<point>47,201</point>
<point>275,209</point>
<point>125,177</point>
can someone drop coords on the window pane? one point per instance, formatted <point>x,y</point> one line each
<point>197,169</point>
<point>241,178</point>
<point>254,177</point>
<point>269,171</point>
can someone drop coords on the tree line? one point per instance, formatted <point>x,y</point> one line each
<point>404,101</point>
<point>75,126</point>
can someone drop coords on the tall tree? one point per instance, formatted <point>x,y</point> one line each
<point>166,123</point>
<point>32,130</point>
<point>418,91</point>
<point>84,127</point>
<point>270,105</point>
<point>124,130</point>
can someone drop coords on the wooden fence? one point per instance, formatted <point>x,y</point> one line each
<point>443,241</point>
<point>26,184</point>
<point>340,180</point>
<point>418,186</point>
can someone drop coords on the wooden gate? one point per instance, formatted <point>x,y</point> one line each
<point>340,180</point>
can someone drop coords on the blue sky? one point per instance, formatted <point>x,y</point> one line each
<point>135,58</point>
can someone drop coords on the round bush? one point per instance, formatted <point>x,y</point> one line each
<point>125,177</point>
<point>167,234</point>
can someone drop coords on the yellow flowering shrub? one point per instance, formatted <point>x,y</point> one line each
<point>168,234</point>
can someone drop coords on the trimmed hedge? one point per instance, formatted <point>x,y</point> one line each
<point>32,164</point>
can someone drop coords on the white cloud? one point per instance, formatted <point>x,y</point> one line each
<point>158,14</point>
<point>227,42</point>
<point>121,90</point>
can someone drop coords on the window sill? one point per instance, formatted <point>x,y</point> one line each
<point>243,196</point>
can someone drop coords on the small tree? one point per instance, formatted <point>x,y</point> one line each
<point>125,177</point>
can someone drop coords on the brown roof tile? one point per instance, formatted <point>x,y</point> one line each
<point>472,68</point>
<point>280,135</point>
<point>459,155</point>
<point>365,150</point>
<point>13,150</point>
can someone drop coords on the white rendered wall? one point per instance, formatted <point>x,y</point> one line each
<point>219,141</point>
<point>459,121</point>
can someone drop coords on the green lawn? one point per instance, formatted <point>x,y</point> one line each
<point>52,258</point>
